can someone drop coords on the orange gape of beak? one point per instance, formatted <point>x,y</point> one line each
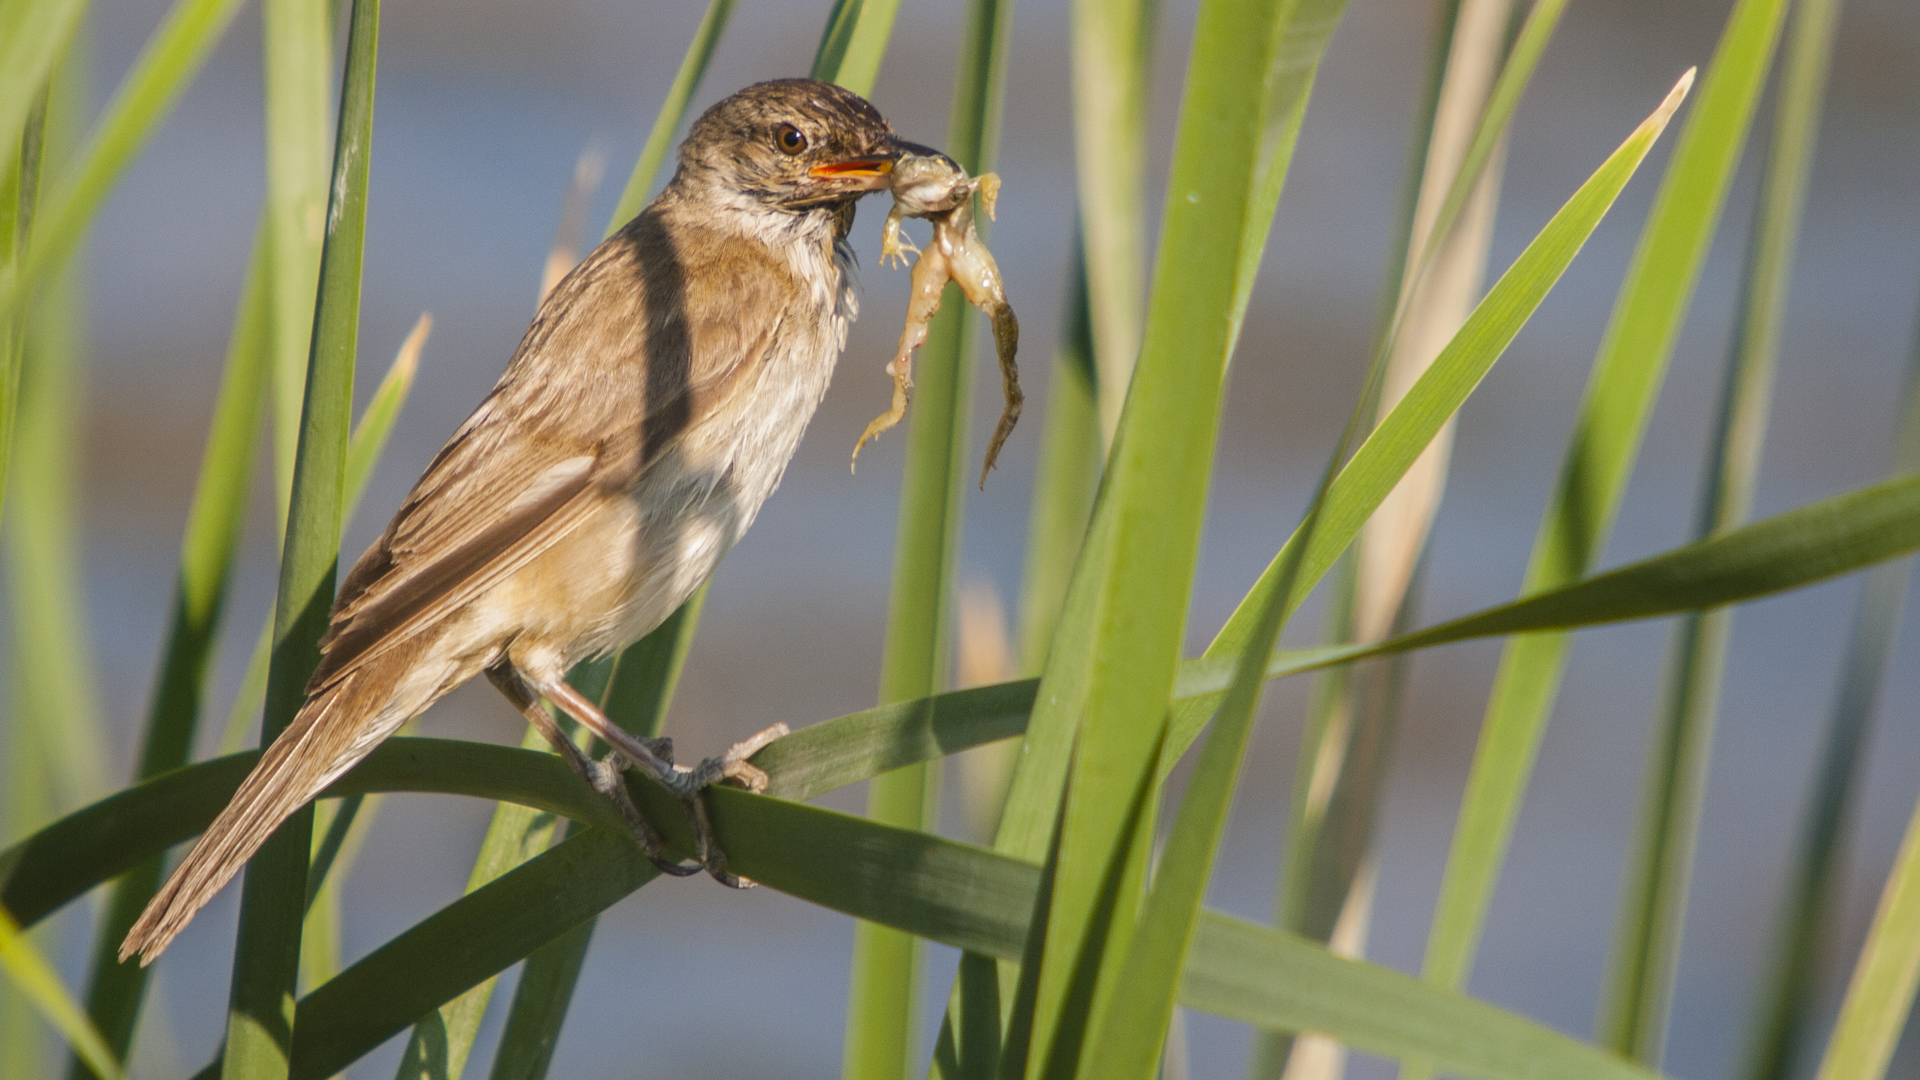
<point>873,170</point>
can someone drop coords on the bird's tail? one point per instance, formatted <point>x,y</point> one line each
<point>339,725</point>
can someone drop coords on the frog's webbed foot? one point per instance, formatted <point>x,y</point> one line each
<point>901,368</point>
<point>1006,340</point>
<point>894,244</point>
<point>987,186</point>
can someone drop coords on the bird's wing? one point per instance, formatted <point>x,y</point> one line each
<point>577,416</point>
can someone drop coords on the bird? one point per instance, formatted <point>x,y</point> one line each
<point>648,412</point>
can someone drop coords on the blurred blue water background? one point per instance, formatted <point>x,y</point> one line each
<point>484,106</point>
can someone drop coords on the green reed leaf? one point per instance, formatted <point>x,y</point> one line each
<point>32,976</point>
<point>1112,69</point>
<point>273,898</point>
<point>882,1011</point>
<point>854,42</point>
<point>1646,948</point>
<point>936,888</point>
<point>1885,977</point>
<point>1114,655</point>
<point>297,53</point>
<point>1624,383</point>
<point>33,36</point>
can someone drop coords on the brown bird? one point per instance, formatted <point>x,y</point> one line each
<point>649,411</point>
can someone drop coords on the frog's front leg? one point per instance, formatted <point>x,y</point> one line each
<point>894,243</point>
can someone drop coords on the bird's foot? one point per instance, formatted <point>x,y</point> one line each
<point>607,779</point>
<point>731,767</point>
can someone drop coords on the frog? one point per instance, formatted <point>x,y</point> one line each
<point>930,185</point>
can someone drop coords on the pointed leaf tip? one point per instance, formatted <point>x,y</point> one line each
<point>1674,97</point>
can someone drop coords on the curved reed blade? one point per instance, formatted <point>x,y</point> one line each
<point>938,889</point>
<point>30,975</point>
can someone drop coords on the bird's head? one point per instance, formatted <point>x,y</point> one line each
<point>788,146</point>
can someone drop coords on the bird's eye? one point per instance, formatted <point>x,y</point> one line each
<point>790,138</point>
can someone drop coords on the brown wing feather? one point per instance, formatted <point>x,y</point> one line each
<point>576,414</point>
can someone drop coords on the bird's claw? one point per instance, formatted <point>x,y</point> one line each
<point>608,781</point>
<point>687,785</point>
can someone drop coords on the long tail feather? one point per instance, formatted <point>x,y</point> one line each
<point>335,729</point>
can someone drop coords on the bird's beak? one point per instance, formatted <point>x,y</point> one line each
<point>870,173</point>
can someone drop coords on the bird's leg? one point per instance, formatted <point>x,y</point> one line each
<point>602,776</point>
<point>683,782</point>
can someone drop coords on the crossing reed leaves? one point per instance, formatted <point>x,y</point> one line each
<point>1079,943</point>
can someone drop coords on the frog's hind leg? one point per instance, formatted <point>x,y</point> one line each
<point>901,368</point>
<point>1006,341</point>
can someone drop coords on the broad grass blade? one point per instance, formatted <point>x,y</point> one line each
<point>1620,394</point>
<point>854,42</point>
<point>34,34</point>
<point>882,1009</point>
<point>1646,950</point>
<point>1114,658</point>
<point>273,898</point>
<point>297,53</point>
<point>1112,69</point>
